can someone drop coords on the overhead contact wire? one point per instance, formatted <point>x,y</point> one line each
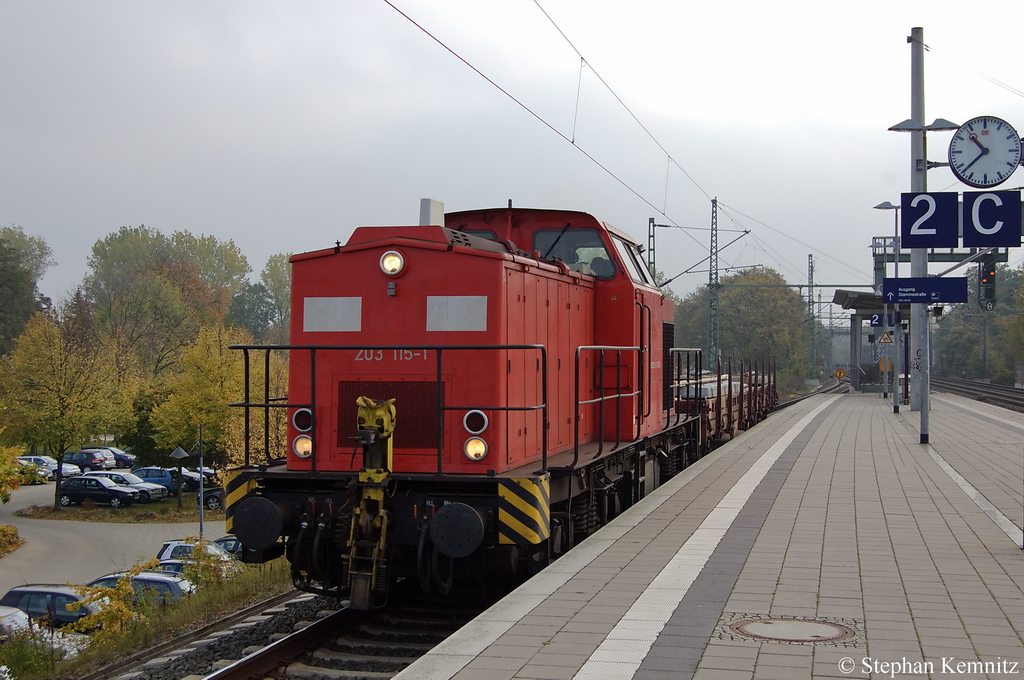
<point>623,104</point>
<point>526,108</point>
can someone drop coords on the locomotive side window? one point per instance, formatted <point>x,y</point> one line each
<point>634,262</point>
<point>581,249</point>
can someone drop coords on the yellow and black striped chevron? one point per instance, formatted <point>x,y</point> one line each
<point>237,483</point>
<point>524,514</point>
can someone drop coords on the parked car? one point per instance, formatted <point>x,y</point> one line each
<point>167,478</point>
<point>12,620</point>
<point>147,490</point>
<point>50,465</point>
<point>47,601</point>
<point>122,459</point>
<point>182,550</point>
<point>170,566</point>
<point>91,459</point>
<point>212,498</point>
<point>99,489</point>
<point>30,473</point>
<point>164,586</point>
<point>231,544</point>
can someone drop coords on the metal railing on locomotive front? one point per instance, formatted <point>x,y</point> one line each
<point>274,403</point>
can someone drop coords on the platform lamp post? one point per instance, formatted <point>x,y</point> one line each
<point>919,166</point>
<point>896,325</point>
<point>177,455</point>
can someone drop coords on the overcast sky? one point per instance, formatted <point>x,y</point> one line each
<point>284,125</point>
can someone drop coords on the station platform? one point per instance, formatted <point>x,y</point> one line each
<point>826,542</point>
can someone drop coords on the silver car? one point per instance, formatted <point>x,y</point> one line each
<point>48,466</point>
<point>147,490</point>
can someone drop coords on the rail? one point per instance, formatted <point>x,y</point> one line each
<point>998,395</point>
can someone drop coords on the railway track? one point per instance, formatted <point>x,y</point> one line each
<point>998,395</point>
<point>357,645</point>
<point>831,387</point>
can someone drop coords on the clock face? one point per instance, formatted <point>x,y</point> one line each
<point>984,152</point>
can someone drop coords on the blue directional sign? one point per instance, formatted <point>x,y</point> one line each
<point>992,219</point>
<point>927,290</point>
<point>929,220</point>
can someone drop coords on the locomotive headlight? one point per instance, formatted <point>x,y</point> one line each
<point>475,422</point>
<point>475,448</point>
<point>392,263</point>
<point>303,420</point>
<point>302,446</point>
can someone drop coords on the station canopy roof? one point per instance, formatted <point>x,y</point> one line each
<point>864,302</point>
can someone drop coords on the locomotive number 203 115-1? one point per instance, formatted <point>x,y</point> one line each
<point>392,354</point>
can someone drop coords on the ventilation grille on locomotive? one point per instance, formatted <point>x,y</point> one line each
<point>416,403</point>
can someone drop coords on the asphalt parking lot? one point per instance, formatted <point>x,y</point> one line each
<point>58,551</point>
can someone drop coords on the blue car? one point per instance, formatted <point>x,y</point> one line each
<point>168,478</point>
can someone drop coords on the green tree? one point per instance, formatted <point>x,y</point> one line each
<point>17,292</point>
<point>140,434</point>
<point>221,266</point>
<point>759,315</point>
<point>23,261</point>
<point>977,344</point>
<point>211,377</point>
<point>36,256</point>
<point>152,293</point>
<point>57,392</point>
<point>276,277</point>
<point>253,310</point>
<point>10,477</point>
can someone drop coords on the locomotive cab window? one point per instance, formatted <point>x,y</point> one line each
<point>582,250</point>
<point>630,254</point>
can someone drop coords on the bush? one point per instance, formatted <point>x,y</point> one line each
<point>49,655</point>
<point>9,539</point>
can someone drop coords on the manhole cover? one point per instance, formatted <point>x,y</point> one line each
<point>791,630</point>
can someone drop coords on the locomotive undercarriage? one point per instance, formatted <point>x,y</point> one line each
<point>356,535</point>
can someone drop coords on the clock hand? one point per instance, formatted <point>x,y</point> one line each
<point>974,138</point>
<point>976,158</point>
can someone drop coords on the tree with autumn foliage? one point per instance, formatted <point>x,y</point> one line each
<point>211,377</point>
<point>58,388</point>
<point>152,293</point>
<point>758,315</point>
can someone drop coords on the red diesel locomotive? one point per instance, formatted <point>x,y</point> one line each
<point>485,393</point>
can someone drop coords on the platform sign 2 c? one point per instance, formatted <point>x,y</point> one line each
<point>929,220</point>
<point>989,219</point>
<point>992,219</point>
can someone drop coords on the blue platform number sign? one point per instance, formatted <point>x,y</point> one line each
<point>929,220</point>
<point>992,219</point>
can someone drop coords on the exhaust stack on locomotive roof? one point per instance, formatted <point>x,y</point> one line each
<point>431,212</point>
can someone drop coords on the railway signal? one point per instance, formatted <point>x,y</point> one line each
<point>987,283</point>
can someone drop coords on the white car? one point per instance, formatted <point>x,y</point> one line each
<point>147,490</point>
<point>49,466</point>
<point>182,550</point>
<point>12,620</point>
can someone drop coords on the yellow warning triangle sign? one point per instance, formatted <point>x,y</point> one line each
<point>885,339</point>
